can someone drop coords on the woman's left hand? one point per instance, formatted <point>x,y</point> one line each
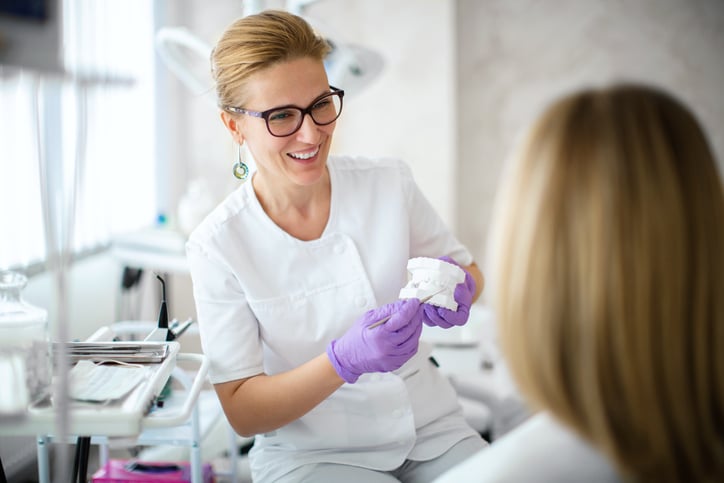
<point>446,318</point>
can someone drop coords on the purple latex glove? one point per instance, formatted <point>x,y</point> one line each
<point>446,318</point>
<point>380,349</point>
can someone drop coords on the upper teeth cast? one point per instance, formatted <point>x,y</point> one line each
<point>304,156</point>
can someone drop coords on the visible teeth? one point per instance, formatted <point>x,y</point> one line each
<point>304,156</point>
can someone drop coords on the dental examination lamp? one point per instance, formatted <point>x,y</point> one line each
<point>350,67</point>
<point>187,57</point>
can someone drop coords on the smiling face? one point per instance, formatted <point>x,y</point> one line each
<point>296,160</point>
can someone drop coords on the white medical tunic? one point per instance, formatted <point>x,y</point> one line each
<point>268,302</point>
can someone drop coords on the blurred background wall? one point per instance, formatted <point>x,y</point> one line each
<point>513,57</point>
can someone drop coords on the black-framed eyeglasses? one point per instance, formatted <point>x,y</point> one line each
<point>286,120</point>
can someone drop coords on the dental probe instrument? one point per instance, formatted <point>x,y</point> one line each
<point>422,301</point>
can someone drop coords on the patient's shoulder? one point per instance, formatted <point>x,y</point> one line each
<point>539,450</point>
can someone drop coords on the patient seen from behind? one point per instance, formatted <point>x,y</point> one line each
<point>607,280</point>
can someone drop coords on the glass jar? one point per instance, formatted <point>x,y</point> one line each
<point>25,363</point>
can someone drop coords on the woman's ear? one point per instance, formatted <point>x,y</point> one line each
<point>232,124</point>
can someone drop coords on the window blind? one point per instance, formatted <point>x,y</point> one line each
<point>89,132</point>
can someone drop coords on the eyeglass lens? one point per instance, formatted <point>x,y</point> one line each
<point>283,122</point>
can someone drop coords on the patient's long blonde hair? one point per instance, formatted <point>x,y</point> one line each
<point>608,279</point>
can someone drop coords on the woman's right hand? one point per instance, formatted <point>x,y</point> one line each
<point>380,349</point>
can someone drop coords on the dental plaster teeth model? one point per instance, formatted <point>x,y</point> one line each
<point>430,275</point>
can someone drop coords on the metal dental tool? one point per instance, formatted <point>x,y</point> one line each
<point>422,301</point>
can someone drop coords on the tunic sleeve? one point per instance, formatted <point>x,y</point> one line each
<point>228,329</point>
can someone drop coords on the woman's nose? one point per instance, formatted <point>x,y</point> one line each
<point>308,131</point>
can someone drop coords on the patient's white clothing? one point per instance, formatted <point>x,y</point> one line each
<point>268,302</point>
<point>540,450</point>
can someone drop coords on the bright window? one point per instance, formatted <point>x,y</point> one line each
<point>90,132</point>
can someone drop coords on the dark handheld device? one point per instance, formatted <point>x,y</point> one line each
<point>163,313</point>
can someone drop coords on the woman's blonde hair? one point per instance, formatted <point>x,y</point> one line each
<point>256,42</point>
<point>608,279</point>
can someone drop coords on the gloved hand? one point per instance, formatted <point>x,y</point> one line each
<point>446,318</point>
<point>380,349</point>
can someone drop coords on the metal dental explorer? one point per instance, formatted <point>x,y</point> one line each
<point>422,301</point>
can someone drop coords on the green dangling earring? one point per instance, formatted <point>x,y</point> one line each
<point>241,170</point>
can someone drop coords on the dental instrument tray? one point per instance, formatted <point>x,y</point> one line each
<point>115,351</point>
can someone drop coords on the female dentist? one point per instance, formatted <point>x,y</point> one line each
<point>288,270</point>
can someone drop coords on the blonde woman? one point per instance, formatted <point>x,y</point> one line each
<point>293,268</point>
<point>608,284</point>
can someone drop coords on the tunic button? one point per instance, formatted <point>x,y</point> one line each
<point>397,413</point>
<point>339,249</point>
<point>361,301</point>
